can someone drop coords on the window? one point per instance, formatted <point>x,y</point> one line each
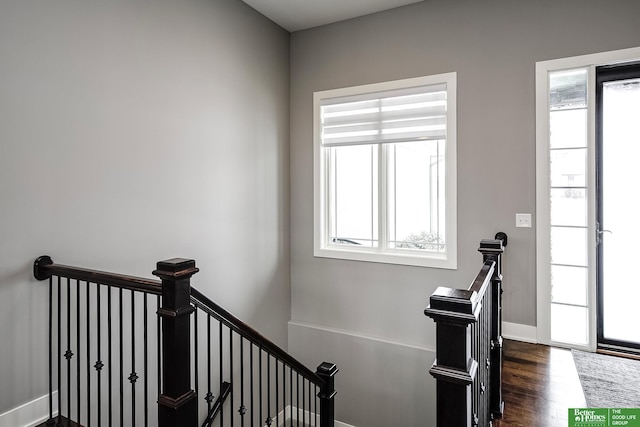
<point>384,178</point>
<point>568,205</point>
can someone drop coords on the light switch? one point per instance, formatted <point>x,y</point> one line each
<point>523,220</point>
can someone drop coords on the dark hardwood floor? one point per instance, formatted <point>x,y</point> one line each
<point>540,384</point>
<point>60,422</point>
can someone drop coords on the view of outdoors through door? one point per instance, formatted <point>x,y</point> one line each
<point>618,131</point>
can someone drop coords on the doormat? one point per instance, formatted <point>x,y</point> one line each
<point>608,381</point>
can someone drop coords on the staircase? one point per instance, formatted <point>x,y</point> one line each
<point>130,351</point>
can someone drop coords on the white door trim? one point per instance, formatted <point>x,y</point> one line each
<point>543,244</point>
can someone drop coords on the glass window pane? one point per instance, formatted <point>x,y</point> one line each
<point>569,206</point>
<point>354,196</point>
<point>568,89</point>
<point>568,167</point>
<point>568,128</point>
<point>569,285</point>
<point>416,195</point>
<point>569,324</point>
<point>569,246</point>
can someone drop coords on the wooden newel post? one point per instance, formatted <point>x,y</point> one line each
<point>492,250</point>
<point>177,404</point>
<point>327,371</point>
<point>454,369</point>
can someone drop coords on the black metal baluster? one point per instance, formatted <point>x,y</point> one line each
<point>69,354</point>
<point>298,397</point>
<point>284,394</point>
<point>304,413</point>
<point>109,336</point>
<point>310,413</point>
<point>88,355</point>
<point>121,342</point>
<point>195,356</point>
<point>251,379</point>
<point>209,396</point>
<point>59,349</point>
<point>309,395</point>
<point>133,376</point>
<point>260,418</point>
<point>268,420</point>
<point>315,404</point>
<point>231,372</point>
<point>98,366</point>
<point>277,390</point>
<point>78,348</point>
<point>146,355</point>
<point>242,409</point>
<point>50,421</point>
<point>291,395</point>
<point>220,366</point>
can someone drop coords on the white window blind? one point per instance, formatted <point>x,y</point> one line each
<point>411,114</point>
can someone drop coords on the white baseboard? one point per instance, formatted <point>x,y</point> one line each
<point>30,414</point>
<point>518,332</point>
<point>289,414</point>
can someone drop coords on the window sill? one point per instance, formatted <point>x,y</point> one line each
<point>417,260</point>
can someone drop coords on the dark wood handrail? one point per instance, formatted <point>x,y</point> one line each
<point>483,279</point>
<point>237,325</point>
<point>44,268</point>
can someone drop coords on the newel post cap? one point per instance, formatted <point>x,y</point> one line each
<point>176,268</point>
<point>327,369</point>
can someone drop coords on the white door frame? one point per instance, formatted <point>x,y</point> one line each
<point>543,244</point>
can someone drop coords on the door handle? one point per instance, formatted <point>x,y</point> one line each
<point>599,233</point>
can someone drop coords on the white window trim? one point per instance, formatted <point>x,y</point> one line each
<point>543,243</point>
<point>448,260</point>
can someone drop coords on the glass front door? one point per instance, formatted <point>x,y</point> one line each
<point>618,230</point>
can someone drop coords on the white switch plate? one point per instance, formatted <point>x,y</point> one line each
<point>523,220</point>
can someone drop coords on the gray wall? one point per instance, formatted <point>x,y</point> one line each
<point>135,131</point>
<point>493,46</point>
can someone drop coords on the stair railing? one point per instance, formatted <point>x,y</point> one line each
<point>468,365</point>
<point>119,345</point>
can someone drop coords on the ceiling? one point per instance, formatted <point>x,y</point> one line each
<point>295,15</point>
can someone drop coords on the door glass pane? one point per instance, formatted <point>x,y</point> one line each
<point>354,219</point>
<point>569,324</point>
<point>620,181</point>
<point>568,167</point>
<point>416,195</point>
<point>569,206</point>
<point>569,246</point>
<point>569,285</point>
